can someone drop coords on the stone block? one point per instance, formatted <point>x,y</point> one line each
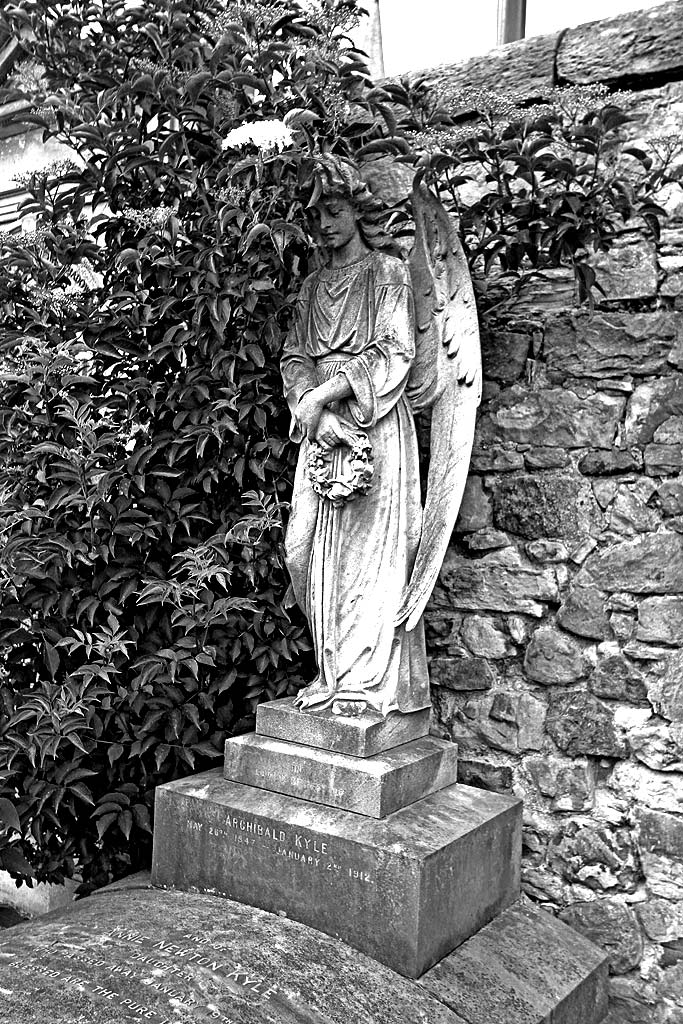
<point>649,564</point>
<point>667,691</point>
<point>616,678</point>
<point>131,952</point>
<point>660,620</point>
<point>501,582</point>
<point>545,458</point>
<point>406,890</point>
<point>650,406</point>
<point>475,508</point>
<point>569,786</point>
<point>583,612</point>
<point>640,785</point>
<point>670,495</point>
<point>526,66</point>
<point>660,844</point>
<point>660,833</point>
<point>526,967</point>
<point>604,345</point>
<point>610,463</point>
<point>495,459</point>
<point>504,355</point>
<point>461,673</point>
<point>486,540</point>
<point>640,44</point>
<point>551,289</point>
<point>670,431</point>
<point>544,550</point>
<point>629,269</point>
<point>658,745</point>
<point>594,856</point>
<point>553,658</point>
<point>375,786</point>
<point>363,736</point>
<point>611,925</point>
<point>580,724</point>
<point>484,638</point>
<point>663,459</point>
<point>552,505</point>
<point>495,777</point>
<point>553,417</point>
<point>630,513</point>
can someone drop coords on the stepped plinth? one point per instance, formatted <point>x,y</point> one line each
<point>357,827</point>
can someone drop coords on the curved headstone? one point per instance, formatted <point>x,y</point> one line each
<point>180,958</point>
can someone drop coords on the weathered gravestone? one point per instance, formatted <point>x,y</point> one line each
<point>356,827</point>
<point>133,953</point>
<point>385,851</point>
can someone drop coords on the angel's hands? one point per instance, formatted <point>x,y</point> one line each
<point>330,432</point>
<point>308,412</point>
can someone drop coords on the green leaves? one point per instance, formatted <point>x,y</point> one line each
<point>144,453</point>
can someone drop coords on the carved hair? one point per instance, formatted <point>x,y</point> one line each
<point>335,176</point>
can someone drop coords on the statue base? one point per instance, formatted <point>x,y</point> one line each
<point>374,786</point>
<point>356,827</point>
<point>360,736</point>
<point>384,851</point>
<point>406,889</point>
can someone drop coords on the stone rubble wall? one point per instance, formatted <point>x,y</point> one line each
<point>556,629</point>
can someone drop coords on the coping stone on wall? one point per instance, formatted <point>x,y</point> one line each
<point>639,45</point>
<point>638,49</point>
<point>527,66</point>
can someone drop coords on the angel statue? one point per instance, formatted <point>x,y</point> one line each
<point>373,342</point>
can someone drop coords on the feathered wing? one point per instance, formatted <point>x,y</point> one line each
<point>446,376</point>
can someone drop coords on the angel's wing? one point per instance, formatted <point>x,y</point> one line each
<point>446,376</point>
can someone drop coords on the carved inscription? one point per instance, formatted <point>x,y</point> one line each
<point>290,845</point>
<point>150,967</point>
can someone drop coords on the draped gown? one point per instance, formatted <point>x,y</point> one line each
<point>349,565</point>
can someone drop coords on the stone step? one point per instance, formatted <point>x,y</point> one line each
<point>406,889</point>
<point>362,736</point>
<point>525,967</point>
<point>375,786</point>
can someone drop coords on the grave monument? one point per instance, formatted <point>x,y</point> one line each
<point>341,811</point>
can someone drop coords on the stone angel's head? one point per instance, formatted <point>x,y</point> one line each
<point>342,205</point>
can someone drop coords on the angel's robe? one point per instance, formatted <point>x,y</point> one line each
<point>349,565</point>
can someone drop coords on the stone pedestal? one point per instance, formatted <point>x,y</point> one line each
<point>374,786</point>
<point>357,827</point>
<point>406,889</point>
<point>361,736</point>
<point>353,825</point>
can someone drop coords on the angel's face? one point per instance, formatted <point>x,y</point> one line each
<point>338,221</point>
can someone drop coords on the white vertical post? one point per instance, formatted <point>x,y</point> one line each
<point>368,37</point>
<point>511,20</point>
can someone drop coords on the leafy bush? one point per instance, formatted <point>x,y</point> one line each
<point>144,454</point>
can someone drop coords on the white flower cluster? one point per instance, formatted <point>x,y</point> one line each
<point>148,216</point>
<point>234,195</point>
<point>54,170</point>
<point>269,136</point>
<point>29,77</point>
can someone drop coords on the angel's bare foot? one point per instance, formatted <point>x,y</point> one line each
<point>310,696</point>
